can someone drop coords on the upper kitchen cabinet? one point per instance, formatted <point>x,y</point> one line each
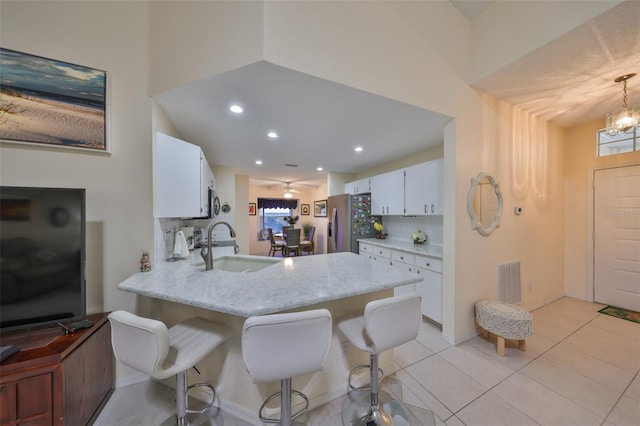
<point>360,186</point>
<point>423,189</point>
<point>387,195</point>
<point>182,179</point>
<point>416,190</point>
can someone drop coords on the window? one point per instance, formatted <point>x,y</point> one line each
<point>618,144</point>
<point>272,213</point>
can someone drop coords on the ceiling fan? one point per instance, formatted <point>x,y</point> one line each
<point>288,191</point>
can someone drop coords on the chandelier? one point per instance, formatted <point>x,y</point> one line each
<point>623,119</point>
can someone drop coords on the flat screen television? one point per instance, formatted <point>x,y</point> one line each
<point>42,256</point>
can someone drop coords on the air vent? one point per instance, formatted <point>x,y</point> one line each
<point>291,165</point>
<point>509,283</point>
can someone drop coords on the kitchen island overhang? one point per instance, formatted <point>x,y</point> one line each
<point>340,282</point>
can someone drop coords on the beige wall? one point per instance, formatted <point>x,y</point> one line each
<point>112,36</point>
<point>210,36</point>
<point>524,155</point>
<point>580,161</point>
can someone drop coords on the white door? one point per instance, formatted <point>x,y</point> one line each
<point>616,212</point>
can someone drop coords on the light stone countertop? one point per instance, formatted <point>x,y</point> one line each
<point>409,246</point>
<point>289,284</point>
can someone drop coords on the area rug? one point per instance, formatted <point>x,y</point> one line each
<point>621,313</point>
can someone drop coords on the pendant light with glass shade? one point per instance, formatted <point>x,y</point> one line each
<point>623,119</point>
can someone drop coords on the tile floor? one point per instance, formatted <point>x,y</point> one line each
<point>580,368</point>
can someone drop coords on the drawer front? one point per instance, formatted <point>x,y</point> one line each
<point>400,256</point>
<point>405,267</point>
<point>365,248</point>
<point>429,263</point>
<point>381,252</point>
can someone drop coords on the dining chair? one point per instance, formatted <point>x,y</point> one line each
<point>307,245</point>
<point>276,246</point>
<point>292,242</point>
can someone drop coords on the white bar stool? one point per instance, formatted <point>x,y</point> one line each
<point>146,345</point>
<point>386,323</point>
<point>282,346</point>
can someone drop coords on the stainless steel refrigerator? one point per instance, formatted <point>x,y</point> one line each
<point>349,220</point>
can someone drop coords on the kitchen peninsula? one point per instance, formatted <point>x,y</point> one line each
<point>340,282</point>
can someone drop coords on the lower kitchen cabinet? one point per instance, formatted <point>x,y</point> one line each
<point>431,291</point>
<point>429,268</point>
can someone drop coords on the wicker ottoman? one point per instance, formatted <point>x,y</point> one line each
<point>505,321</point>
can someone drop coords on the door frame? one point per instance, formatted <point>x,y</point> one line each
<point>591,180</point>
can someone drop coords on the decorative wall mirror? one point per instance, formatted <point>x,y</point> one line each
<point>484,204</point>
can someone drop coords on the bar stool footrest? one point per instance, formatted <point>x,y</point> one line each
<point>209,404</point>
<point>277,395</point>
<point>361,367</point>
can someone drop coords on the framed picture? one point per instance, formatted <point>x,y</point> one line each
<point>320,208</point>
<point>252,209</point>
<point>304,209</point>
<point>52,103</point>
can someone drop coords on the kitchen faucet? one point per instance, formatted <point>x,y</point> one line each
<point>207,252</point>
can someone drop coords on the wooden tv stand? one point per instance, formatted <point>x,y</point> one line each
<point>57,379</point>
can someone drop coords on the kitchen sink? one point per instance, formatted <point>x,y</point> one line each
<point>242,264</point>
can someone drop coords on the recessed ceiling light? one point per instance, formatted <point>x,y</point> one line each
<point>259,162</point>
<point>237,109</point>
<point>319,169</point>
<point>358,149</point>
<point>273,135</point>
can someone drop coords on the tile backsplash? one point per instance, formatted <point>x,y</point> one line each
<point>401,227</point>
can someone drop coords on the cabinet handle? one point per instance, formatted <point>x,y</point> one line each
<point>425,209</point>
<point>401,257</point>
<point>433,208</point>
<point>428,264</point>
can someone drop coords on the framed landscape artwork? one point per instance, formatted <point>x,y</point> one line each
<point>320,208</point>
<point>52,103</point>
<point>304,209</point>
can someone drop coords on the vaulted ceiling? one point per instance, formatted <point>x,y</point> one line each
<point>568,81</point>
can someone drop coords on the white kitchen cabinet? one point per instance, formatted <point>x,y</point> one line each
<point>182,178</point>
<point>424,186</point>
<point>429,268</point>
<point>431,287</point>
<point>360,186</point>
<point>405,262</point>
<point>387,193</point>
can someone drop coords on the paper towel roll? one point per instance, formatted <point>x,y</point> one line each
<point>180,247</point>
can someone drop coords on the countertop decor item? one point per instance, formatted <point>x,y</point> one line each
<point>377,225</point>
<point>145,263</point>
<point>418,236</point>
